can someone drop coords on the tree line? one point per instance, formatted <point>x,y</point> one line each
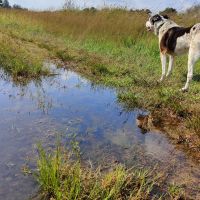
<point>70,4</point>
<point>6,4</point>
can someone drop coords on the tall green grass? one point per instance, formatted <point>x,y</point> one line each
<point>21,59</point>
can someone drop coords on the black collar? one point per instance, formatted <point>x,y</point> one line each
<point>160,26</point>
<point>158,29</point>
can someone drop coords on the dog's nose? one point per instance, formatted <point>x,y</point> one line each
<point>148,28</point>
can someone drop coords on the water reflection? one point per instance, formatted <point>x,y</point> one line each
<point>67,104</point>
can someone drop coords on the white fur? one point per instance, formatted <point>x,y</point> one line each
<point>164,62</point>
<point>171,64</point>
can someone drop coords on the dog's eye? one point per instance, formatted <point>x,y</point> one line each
<point>155,19</point>
<point>166,16</point>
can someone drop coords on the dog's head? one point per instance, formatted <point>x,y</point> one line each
<point>155,22</point>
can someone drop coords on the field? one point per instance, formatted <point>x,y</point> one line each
<point>112,48</point>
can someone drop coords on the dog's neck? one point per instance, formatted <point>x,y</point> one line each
<point>164,26</point>
<point>158,28</point>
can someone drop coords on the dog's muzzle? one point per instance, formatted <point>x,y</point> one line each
<point>149,27</point>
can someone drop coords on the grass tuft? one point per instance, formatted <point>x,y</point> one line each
<point>49,167</point>
<point>193,123</point>
<point>61,177</point>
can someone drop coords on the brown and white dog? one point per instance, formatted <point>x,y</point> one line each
<point>175,40</point>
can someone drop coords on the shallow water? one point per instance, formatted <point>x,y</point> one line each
<point>68,103</point>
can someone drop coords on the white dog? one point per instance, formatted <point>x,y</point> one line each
<point>175,40</point>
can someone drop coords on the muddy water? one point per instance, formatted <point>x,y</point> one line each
<point>68,104</point>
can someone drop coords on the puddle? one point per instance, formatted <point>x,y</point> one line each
<point>67,104</point>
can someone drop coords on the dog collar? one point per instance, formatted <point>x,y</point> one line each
<point>160,26</point>
<point>158,29</point>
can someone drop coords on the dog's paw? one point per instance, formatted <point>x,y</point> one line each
<point>184,89</point>
<point>168,75</point>
<point>161,79</point>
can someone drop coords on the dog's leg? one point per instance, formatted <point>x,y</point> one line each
<point>164,62</point>
<point>194,55</point>
<point>171,64</point>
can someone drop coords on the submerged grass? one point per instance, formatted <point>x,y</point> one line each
<point>61,177</point>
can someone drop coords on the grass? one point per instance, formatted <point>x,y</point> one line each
<point>21,60</point>
<point>61,177</point>
<point>193,123</point>
<point>111,47</point>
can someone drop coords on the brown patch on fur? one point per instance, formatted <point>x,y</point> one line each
<point>169,39</point>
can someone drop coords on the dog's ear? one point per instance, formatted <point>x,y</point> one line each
<point>166,16</point>
<point>149,13</point>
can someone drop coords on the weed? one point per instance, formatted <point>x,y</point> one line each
<point>99,68</point>
<point>176,192</point>
<point>49,169</point>
<point>193,123</point>
<point>130,99</point>
<point>64,56</point>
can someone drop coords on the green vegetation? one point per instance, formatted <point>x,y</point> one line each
<point>111,47</point>
<point>21,59</point>
<point>61,177</point>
